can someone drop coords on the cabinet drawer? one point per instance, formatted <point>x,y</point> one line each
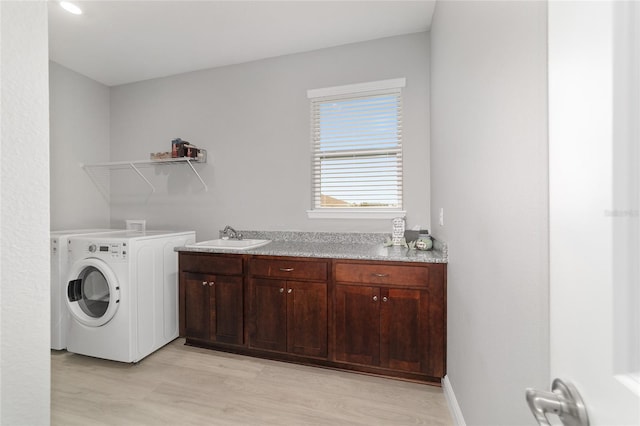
<point>289,268</point>
<point>211,263</point>
<point>380,273</point>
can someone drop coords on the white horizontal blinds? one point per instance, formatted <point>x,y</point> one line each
<point>357,150</point>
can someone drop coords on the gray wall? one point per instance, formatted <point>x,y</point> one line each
<point>25,353</point>
<point>253,119</point>
<point>79,123</point>
<point>489,171</point>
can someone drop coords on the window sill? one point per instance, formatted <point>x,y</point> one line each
<point>354,214</point>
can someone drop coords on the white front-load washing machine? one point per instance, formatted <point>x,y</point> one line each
<point>122,293</point>
<point>59,268</point>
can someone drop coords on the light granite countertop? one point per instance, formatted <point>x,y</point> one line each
<point>332,245</point>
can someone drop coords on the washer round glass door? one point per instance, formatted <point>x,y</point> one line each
<point>93,293</point>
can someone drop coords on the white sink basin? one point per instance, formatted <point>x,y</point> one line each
<point>229,244</point>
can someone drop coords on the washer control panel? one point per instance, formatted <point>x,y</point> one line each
<point>110,250</point>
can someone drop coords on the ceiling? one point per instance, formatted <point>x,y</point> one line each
<point>118,42</point>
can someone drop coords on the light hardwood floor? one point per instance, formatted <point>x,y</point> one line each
<point>183,385</point>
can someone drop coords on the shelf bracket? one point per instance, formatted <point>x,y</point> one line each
<point>153,189</point>
<point>206,188</point>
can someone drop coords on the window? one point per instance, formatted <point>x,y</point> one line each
<point>356,136</point>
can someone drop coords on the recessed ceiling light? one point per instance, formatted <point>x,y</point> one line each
<point>70,7</point>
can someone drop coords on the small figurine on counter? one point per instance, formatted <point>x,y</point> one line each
<point>424,243</point>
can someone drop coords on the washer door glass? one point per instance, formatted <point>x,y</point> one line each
<point>95,292</point>
<point>92,293</point>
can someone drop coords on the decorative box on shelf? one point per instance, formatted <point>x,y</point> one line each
<point>160,155</point>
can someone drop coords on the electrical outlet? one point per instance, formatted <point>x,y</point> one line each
<point>441,216</point>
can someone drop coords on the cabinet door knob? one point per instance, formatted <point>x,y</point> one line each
<point>281,290</point>
<point>204,283</point>
<point>289,291</point>
<point>211,283</point>
<point>375,298</point>
<point>385,299</point>
<point>286,269</point>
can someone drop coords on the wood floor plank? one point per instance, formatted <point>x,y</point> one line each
<point>182,385</point>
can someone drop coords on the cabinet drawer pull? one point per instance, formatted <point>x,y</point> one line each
<point>380,275</point>
<point>281,290</point>
<point>286,269</point>
<point>375,298</point>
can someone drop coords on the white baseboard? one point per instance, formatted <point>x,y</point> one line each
<point>454,408</point>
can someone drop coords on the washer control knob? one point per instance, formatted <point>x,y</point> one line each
<point>92,248</point>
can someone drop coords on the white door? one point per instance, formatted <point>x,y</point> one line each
<point>93,292</point>
<point>594,85</point>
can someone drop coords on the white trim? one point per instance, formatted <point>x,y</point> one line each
<point>454,408</point>
<point>370,86</point>
<point>355,213</point>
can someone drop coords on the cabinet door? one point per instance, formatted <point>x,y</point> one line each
<point>268,321</point>
<point>226,310</point>
<point>197,305</point>
<point>404,329</point>
<point>357,324</point>
<point>307,318</point>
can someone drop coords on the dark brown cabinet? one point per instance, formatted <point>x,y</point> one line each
<point>211,303</point>
<point>386,318</point>
<point>391,316</point>
<point>357,333</point>
<point>213,307</point>
<point>287,314</point>
<point>268,315</point>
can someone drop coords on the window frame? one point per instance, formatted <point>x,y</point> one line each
<point>345,92</point>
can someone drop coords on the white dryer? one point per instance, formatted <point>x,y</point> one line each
<point>59,270</point>
<point>122,293</point>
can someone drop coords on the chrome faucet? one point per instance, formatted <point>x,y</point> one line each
<point>231,233</point>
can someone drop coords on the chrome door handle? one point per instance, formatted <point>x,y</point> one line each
<point>563,401</point>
